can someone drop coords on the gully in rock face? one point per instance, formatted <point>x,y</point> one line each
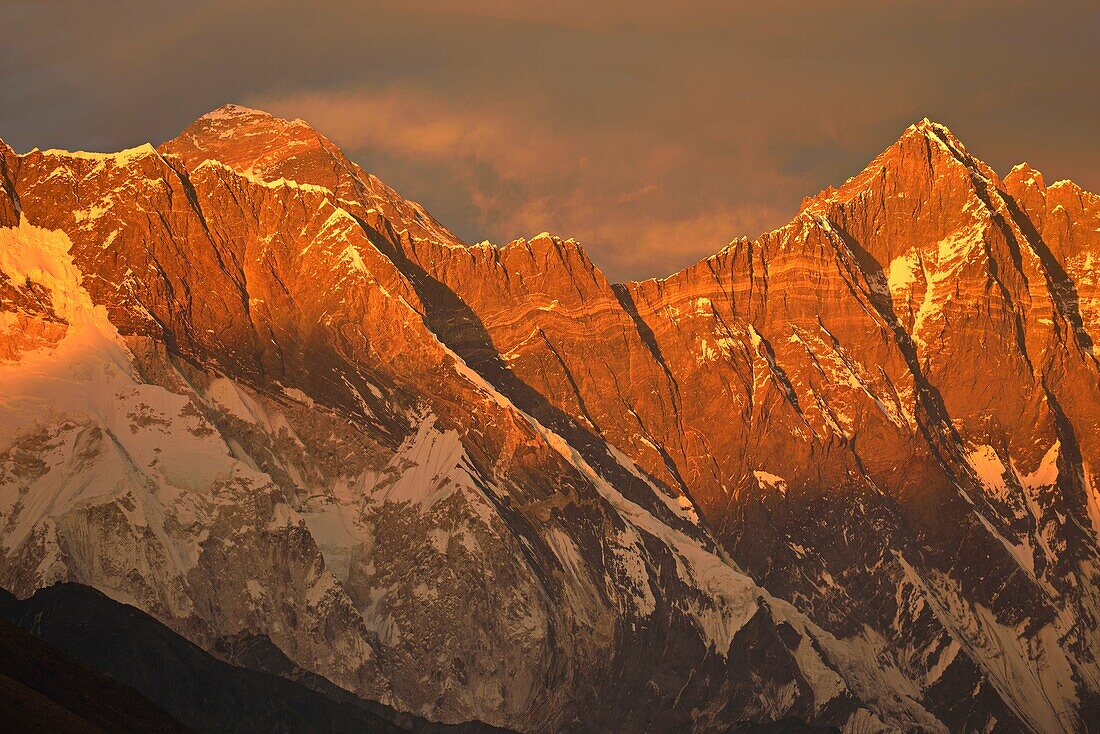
<point>250,389</point>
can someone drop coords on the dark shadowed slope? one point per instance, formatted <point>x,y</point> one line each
<point>136,650</point>
<point>44,690</point>
<point>845,472</point>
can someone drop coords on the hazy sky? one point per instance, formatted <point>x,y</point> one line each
<point>652,132</point>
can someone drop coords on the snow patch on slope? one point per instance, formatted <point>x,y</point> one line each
<point>120,159</point>
<point>769,481</point>
<point>107,440</point>
<point>32,254</point>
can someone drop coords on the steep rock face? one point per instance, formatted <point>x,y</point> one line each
<point>493,464</point>
<point>920,338</point>
<point>225,403</point>
<point>899,385</point>
<point>928,389</point>
<point>203,692</point>
<point>908,363</point>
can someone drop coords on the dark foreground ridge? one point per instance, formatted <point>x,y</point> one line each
<point>845,472</point>
<point>118,660</point>
<point>107,666</point>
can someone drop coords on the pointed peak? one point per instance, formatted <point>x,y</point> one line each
<point>944,146</point>
<point>1066,183</point>
<point>936,133</point>
<point>915,143</point>
<point>232,118</point>
<point>232,110</point>
<point>251,140</point>
<point>926,125</point>
<point>1066,187</point>
<point>1023,174</point>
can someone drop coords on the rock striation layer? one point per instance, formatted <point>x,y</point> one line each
<point>844,472</point>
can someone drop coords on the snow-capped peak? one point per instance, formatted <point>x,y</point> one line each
<point>232,111</point>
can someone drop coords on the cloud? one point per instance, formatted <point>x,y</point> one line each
<point>503,171</point>
<point>418,125</point>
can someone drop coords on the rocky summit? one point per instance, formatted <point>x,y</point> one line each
<point>844,474</point>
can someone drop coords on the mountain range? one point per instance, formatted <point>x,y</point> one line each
<point>843,473</point>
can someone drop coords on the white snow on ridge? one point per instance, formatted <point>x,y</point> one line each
<point>733,594</point>
<point>989,468</point>
<point>940,272</point>
<point>770,481</point>
<point>111,440</point>
<point>1046,474</point>
<point>903,271</point>
<point>42,256</point>
<point>272,184</point>
<point>1018,491</point>
<point>428,467</point>
<point>121,159</point>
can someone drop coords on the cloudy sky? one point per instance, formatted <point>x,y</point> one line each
<point>652,132</point>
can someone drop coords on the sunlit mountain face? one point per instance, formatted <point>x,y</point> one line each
<point>841,476</point>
